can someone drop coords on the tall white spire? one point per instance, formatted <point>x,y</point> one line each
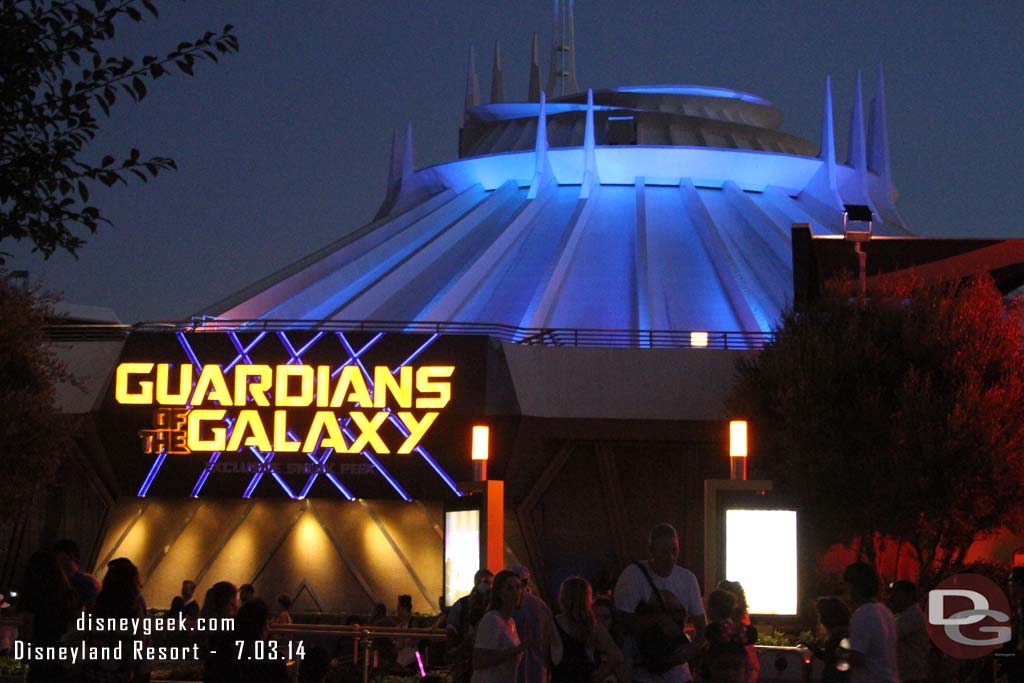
<point>878,133</point>
<point>408,162</point>
<point>571,85</point>
<point>823,188</point>
<point>880,187</point>
<point>590,177</point>
<point>853,187</point>
<point>533,94</point>
<point>497,80</point>
<point>562,75</point>
<point>542,169</point>
<point>472,83</point>
<point>404,187</point>
<point>856,154</point>
<point>828,138</point>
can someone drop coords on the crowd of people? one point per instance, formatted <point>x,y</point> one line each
<point>55,592</point>
<point>655,626</point>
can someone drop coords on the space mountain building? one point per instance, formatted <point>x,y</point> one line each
<point>581,280</point>
<point>645,208</point>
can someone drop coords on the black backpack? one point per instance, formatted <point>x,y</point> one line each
<point>656,651</point>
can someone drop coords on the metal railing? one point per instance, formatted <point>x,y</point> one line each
<point>548,336</point>
<point>362,638</point>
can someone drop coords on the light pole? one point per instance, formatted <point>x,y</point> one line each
<point>480,451</point>
<point>738,450</point>
<point>857,224</point>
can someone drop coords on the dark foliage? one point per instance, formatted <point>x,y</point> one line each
<point>33,436</point>
<point>899,421</point>
<point>56,81</point>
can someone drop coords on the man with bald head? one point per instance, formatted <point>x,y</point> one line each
<point>644,611</point>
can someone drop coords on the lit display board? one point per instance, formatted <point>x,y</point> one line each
<point>294,413</point>
<point>761,553</point>
<point>461,552</point>
<point>213,410</point>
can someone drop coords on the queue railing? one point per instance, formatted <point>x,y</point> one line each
<point>362,638</point>
<point>548,336</point>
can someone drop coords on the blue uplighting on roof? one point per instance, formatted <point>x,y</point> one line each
<point>698,90</point>
<point>503,111</point>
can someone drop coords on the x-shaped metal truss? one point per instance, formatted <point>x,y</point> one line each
<point>319,456</point>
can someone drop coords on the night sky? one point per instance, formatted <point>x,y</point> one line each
<point>283,147</point>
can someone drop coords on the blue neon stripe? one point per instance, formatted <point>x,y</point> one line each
<point>352,357</point>
<point>243,352</point>
<point>188,349</point>
<point>355,356</point>
<point>341,487</point>
<point>252,485</point>
<point>415,354</point>
<point>398,423</point>
<point>144,489</point>
<point>205,474</point>
<point>296,356</point>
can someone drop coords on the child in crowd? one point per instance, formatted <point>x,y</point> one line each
<point>834,617</point>
<point>284,603</point>
<point>741,614</point>
<point>725,656</point>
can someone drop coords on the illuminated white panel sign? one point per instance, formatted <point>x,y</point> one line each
<point>461,552</point>
<point>760,553</point>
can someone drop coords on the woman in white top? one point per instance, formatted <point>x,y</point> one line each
<point>497,650</point>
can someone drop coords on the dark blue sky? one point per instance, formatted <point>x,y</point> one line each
<point>283,147</point>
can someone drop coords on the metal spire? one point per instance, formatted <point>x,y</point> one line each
<point>533,94</point>
<point>556,46</point>
<point>394,178</point>
<point>856,154</point>
<point>880,187</point>
<point>542,169</point>
<point>497,80</point>
<point>590,177</point>
<point>853,186</point>
<point>404,187</point>
<point>878,133</point>
<point>472,84</point>
<point>828,138</point>
<point>823,187</point>
<point>562,76</point>
<point>571,85</point>
<point>395,165</point>
<point>408,165</point>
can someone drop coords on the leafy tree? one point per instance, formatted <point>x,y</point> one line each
<point>55,81</point>
<point>900,419</point>
<point>33,439</point>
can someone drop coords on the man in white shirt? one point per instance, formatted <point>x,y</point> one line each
<point>643,612</point>
<point>873,634</point>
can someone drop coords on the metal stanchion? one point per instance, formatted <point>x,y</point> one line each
<point>367,653</point>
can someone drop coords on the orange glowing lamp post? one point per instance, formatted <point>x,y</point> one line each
<point>492,524</point>
<point>738,449</point>
<point>480,452</point>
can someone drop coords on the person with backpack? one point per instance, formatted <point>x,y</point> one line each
<point>656,598</point>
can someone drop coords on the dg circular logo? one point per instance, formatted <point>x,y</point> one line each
<point>968,616</point>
